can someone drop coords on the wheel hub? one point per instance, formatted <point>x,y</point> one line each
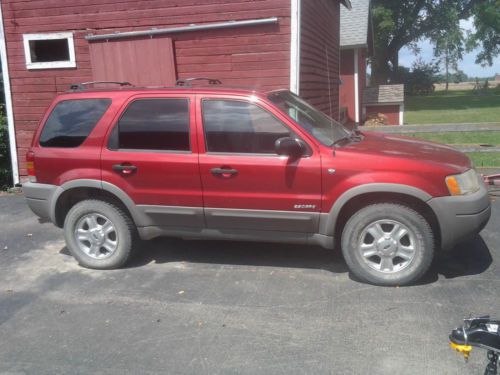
<point>386,246</point>
<point>97,236</point>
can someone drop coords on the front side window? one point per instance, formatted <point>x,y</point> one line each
<point>240,127</point>
<point>71,121</point>
<point>153,124</point>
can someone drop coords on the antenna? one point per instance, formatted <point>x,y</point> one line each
<point>329,90</point>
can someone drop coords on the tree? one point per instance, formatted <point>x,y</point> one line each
<point>421,79</point>
<point>403,23</point>
<point>449,45</point>
<point>487,33</point>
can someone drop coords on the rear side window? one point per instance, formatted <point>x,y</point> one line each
<point>71,122</point>
<point>153,124</point>
<point>240,127</point>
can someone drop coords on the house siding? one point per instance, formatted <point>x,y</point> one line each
<point>247,56</point>
<point>319,63</point>
<point>347,86</point>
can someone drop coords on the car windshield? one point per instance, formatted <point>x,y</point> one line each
<point>322,127</point>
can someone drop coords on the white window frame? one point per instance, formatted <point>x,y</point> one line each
<point>71,63</point>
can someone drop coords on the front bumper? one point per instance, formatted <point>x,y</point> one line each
<point>39,198</point>
<point>461,217</point>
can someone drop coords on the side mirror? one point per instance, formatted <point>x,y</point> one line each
<point>290,147</point>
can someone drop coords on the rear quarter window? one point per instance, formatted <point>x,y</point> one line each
<point>71,122</point>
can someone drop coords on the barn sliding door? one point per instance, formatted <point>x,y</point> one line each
<point>142,62</point>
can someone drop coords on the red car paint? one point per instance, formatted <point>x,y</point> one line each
<point>263,182</point>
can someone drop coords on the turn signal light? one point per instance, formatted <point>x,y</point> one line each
<point>30,166</point>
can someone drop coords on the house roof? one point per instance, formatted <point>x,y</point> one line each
<point>355,24</point>
<point>384,94</point>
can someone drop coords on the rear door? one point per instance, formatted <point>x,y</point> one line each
<point>246,185</point>
<point>151,154</point>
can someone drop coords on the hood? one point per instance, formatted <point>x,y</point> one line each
<point>410,148</point>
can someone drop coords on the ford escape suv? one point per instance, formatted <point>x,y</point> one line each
<point>112,166</point>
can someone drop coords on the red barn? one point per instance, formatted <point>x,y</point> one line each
<point>48,44</point>
<point>356,46</point>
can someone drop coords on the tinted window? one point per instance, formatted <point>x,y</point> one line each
<point>240,127</point>
<point>155,124</point>
<point>71,121</point>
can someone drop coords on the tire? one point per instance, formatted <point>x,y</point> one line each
<point>99,234</point>
<point>388,244</point>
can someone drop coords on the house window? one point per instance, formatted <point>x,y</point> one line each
<point>49,51</point>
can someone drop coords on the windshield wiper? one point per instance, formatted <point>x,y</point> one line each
<point>341,140</point>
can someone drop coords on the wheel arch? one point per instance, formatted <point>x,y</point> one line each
<point>352,200</point>
<point>70,193</point>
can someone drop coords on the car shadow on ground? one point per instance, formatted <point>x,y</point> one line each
<point>467,259</point>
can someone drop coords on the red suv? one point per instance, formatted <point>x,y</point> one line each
<point>115,165</point>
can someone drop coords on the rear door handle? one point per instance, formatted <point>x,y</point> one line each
<point>224,171</point>
<point>124,168</point>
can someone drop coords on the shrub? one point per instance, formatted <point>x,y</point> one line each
<point>5,171</point>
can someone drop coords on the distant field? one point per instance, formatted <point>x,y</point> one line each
<point>457,106</point>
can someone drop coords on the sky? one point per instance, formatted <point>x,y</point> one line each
<point>468,64</point>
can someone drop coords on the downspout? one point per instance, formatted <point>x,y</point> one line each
<point>8,101</point>
<point>356,86</point>
<point>295,46</point>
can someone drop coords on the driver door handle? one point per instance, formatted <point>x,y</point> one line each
<point>224,171</point>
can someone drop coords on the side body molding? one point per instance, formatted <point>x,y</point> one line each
<point>328,220</point>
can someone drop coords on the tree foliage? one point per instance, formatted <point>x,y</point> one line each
<point>5,172</point>
<point>420,79</point>
<point>487,33</point>
<point>403,23</point>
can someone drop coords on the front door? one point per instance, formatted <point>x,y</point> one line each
<point>246,185</point>
<point>152,157</point>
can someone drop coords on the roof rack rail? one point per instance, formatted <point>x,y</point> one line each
<point>82,86</point>
<point>187,82</point>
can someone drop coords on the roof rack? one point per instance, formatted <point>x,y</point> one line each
<point>82,86</point>
<point>187,82</point>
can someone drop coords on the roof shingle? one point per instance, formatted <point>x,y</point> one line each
<point>384,94</point>
<point>354,24</point>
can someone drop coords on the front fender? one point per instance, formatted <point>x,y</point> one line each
<point>328,220</point>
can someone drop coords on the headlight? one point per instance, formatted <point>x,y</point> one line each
<point>463,184</point>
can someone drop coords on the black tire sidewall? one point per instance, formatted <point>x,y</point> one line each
<point>122,227</point>
<point>405,215</point>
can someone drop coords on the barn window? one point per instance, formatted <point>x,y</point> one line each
<point>49,51</point>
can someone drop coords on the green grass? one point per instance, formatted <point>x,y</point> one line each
<point>490,138</point>
<point>485,159</point>
<point>480,159</point>
<point>453,107</point>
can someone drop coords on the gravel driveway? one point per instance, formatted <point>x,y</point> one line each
<point>199,307</point>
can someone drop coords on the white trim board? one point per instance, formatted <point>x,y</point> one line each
<point>356,86</point>
<point>71,63</point>
<point>295,46</point>
<point>8,102</point>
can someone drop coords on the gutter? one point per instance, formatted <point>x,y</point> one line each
<point>174,30</point>
<point>8,101</point>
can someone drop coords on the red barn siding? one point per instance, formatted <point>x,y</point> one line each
<point>255,56</point>
<point>347,92</point>
<point>347,86</point>
<point>319,78</point>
